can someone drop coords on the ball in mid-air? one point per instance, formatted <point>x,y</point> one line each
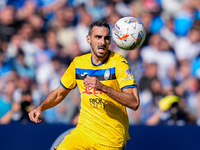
<point>128,33</point>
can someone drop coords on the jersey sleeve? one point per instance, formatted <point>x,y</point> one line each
<point>68,80</point>
<point>124,75</point>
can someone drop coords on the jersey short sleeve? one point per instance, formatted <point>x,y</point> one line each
<point>68,80</point>
<point>124,75</point>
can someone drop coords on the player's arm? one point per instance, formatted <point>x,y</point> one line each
<point>54,98</point>
<point>128,97</point>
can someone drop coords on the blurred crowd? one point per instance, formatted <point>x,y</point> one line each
<point>39,39</point>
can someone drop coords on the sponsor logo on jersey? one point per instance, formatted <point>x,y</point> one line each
<point>97,103</point>
<point>91,90</point>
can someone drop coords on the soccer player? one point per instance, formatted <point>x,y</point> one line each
<point>107,87</point>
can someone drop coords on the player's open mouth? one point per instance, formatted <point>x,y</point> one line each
<point>101,50</point>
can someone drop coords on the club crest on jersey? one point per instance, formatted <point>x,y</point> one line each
<point>106,74</point>
<point>128,72</point>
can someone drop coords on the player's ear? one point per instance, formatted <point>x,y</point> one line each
<point>88,39</point>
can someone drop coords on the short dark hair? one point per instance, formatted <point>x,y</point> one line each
<point>99,23</point>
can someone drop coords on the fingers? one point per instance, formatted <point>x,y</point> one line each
<point>87,81</point>
<point>87,84</point>
<point>91,82</point>
<point>34,116</point>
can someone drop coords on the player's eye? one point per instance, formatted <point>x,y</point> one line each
<point>107,38</point>
<point>98,36</point>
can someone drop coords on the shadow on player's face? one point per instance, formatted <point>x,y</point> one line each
<point>99,40</point>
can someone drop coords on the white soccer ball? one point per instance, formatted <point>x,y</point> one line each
<point>128,33</point>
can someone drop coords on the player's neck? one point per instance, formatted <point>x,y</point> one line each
<point>97,61</point>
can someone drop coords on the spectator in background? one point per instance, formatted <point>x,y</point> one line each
<point>171,7</point>
<point>184,19</point>
<point>36,93</point>
<point>171,80</point>
<point>16,57</point>
<point>170,112</point>
<point>109,9</point>
<point>95,8</point>
<point>188,88</point>
<point>137,9</point>
<point>28,8</point>
<point>183,72</point>
<point>9,25</point>
<point>157,20</point>
<point>150,73</point>
<point>13,46</point>
<point>167,31</point>
<point>52,47</point>
<point>122,8</point>
<point>43,65</point>
<point>149,52</point>
<point>63,25</point>
<point>146,94</point>
<point>56,73</point>
<point>26,106</point>
<point>48,8</point>
<point>8,107</point>
<point>37,23</point>
<point>74,50</point>
<point>146,19</point>
<point>136,64</point>
<point>81,31</point>
<point>165,59</point>
<point>188,47</point>
<point>20,86</point>
<point>158,51</point>
<point>196,7</point>
<point>27,73</point>
<point>27,45</point>
<point>195,67</point>
<point>157,91</point>
<point>5,66</point>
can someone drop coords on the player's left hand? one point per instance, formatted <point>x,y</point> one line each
<point>92,82</point>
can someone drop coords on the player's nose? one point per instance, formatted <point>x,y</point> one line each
<point>103,41</point>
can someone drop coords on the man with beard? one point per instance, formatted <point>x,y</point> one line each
<point>107,87</point>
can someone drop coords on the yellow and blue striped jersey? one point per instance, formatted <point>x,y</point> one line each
<point>103,118</point>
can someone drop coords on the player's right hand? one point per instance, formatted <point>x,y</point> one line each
<point>35,114</point>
